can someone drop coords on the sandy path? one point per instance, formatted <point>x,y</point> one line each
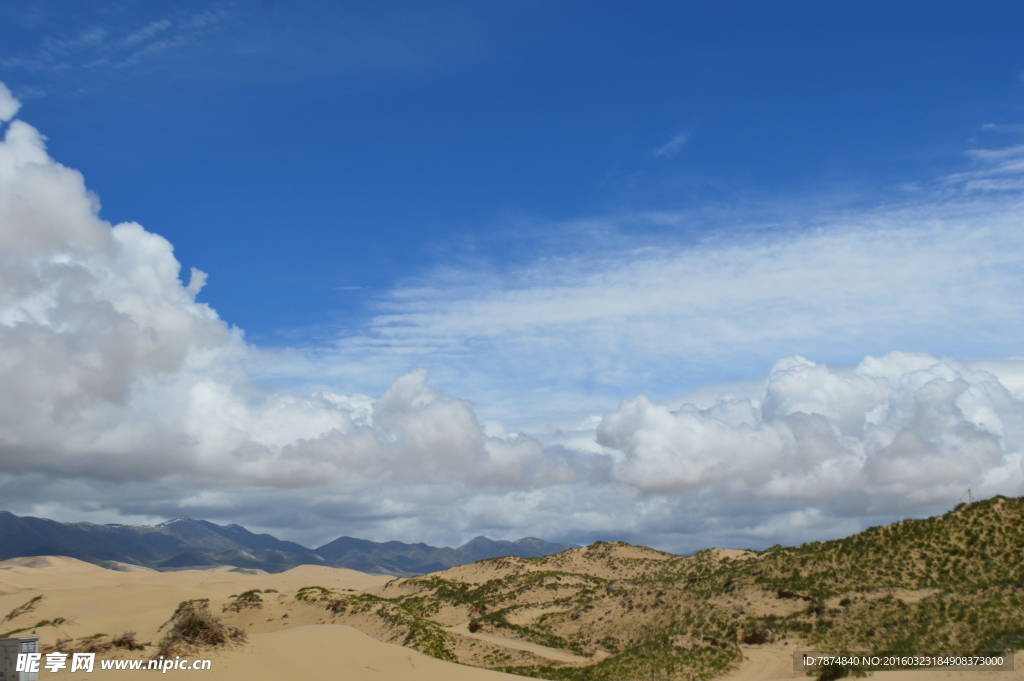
<point>543,651</point>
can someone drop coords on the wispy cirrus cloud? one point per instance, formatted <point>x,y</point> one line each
<point>588,327</point>
<point>105,45</point>
<point>672,147</point>
<point>1000,170</point>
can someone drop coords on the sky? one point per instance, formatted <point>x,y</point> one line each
<point>679,274</point>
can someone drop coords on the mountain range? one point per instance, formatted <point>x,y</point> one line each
<point>187,543</point>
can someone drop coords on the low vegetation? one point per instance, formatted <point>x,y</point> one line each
<point>24,608</point>
<point>949,584</point>
<point>193,626</point>
<point>398,622</point>
<point>33,629</point>
<point>97,643</point>
<point>242,601</point>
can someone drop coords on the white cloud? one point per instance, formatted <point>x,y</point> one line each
<point>673,146</point>
<point>897,431</point>
<point>106,46</point>
<point>578,331</point>
<point>995,170</point>
<point>8,104</point>
<point>125,397</point>
<point>113,371</point>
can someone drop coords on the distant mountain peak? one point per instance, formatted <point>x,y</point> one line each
<point>480,540</point>
<point>182,542</point>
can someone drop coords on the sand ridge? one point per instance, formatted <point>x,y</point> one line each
<point>292,638</point>
<point>48,564</point>
<point>93,600</point>
<point>732,554</point>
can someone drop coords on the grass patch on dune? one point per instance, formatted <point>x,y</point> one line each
<point>97,643</point>
<point>655,658</point>
<point>24,608</point>
<point>244,600</point>
<point>193,626</point>
<point>405,623</point>
<point>41,624</point>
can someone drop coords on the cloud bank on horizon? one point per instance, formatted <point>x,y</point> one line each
<point>126,398</point>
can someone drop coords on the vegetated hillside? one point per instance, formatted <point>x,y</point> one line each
<point>615,611</point>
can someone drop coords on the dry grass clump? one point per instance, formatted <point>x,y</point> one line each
<point>194,626</point>
<point>97,643</point>
<point>24,608</point>
<point>55,622</point>
<point>126,641</point>
<point>247,599</point>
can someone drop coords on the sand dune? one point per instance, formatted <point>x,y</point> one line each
<point>49,564</point>
<point>286,641</point>
<point>315,652</point>
<point>93,600</point>
<point>331,651</point>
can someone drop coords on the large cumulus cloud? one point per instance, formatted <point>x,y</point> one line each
<point>899,431</point>
<point>125,398</point>
<point>112,370</point>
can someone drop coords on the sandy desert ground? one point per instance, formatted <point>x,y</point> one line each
<point>93,600</point>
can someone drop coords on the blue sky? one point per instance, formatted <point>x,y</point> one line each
<point>550,207</point>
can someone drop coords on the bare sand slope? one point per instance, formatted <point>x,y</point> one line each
<point>331,651</point>
<point>319,652</point>
<point>771,662</point>
<point>92,600</point>
<point>34,564</point>
<point>767,662</point>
